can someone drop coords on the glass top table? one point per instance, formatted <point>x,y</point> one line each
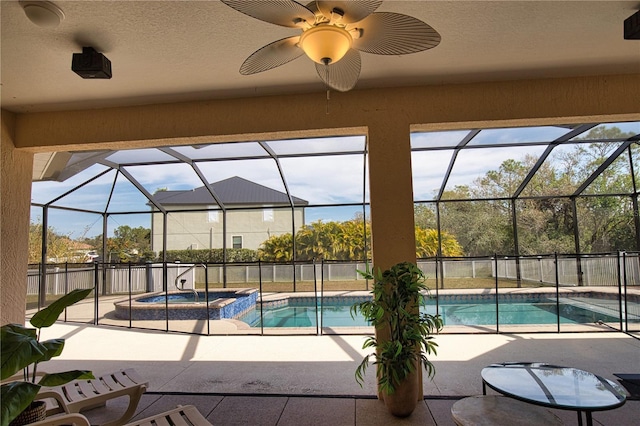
<point>552,386</point>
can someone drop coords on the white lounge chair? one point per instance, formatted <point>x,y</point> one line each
<point>186,415</point>
<point>80,395</point>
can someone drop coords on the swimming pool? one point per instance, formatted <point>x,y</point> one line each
<point>534,311</point>
<point>301,310</point>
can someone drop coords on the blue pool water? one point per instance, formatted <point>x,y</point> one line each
<point>535,312</point>
<point>177,298</point>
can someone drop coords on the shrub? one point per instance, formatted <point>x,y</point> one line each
<point>210,255</point>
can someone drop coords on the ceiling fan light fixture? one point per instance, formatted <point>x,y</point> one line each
<point>325,44</point>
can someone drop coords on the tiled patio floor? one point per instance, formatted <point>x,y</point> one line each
<point>308,380</point>
<point>281,410</point>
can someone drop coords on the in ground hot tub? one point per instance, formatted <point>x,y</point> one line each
<point>178,305</point>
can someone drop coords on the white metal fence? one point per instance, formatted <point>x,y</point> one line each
<point>118,279</point>
<point>596,271</point>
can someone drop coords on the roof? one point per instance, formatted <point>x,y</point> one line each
<point>232,191</point>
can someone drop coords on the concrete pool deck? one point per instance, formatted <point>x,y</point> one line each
<point>299,380</point>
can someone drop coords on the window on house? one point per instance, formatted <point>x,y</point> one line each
<point>213,216</point>
<point>267,215</point>
<point>237,241</point>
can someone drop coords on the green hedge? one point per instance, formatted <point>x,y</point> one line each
<point>210,255</point>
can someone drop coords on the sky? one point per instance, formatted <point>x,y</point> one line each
<point>321,180</point>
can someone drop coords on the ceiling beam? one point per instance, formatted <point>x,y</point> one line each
<point>479,105</point>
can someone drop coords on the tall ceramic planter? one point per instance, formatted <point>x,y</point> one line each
<point>403,401</point>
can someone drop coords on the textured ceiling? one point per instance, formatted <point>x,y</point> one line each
<point>167,51</point>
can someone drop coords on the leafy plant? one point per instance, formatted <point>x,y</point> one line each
<point>406,333</point>
<point>210,255</point>
<point>23,350</point>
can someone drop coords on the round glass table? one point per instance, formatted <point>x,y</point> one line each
<point>552,386</point>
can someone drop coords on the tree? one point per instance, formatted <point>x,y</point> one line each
<point>481,227</point>
<point>130,244</point>
<point>427,243</point>
<point>320,240</point>
<point>606,222</point>
<point>60,248</point>
<point>424,216</point>
<point>95,242</point>
<point>481,218</point>
<point>278,248</point>
<point>348,240</point>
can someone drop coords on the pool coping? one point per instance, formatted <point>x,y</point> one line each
<point>607,293</point>
<point>216,305</point>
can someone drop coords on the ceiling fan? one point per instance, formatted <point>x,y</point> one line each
<point>333,35</point>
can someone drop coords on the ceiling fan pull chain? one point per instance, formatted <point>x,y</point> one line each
<point>326,83</point>
<point>328,98</point>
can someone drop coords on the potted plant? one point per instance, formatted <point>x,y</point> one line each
<point>23,350</point>
<point>403,335</point>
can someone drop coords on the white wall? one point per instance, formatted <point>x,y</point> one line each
<point>199,230</point>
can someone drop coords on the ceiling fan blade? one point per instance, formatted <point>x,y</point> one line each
<point>272,55</point>
<point>287,13</point>
<point>343,75</point>
<point>387,33</point>
<point>313,6</point>
<point>354,10</point>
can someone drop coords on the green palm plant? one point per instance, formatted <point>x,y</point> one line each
<point>23,350</point>
<point>394,311</point>
<point>278,248</point>
<point>427,243</point>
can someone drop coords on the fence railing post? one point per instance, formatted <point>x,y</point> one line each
<point>149,283</point>
<point>318,306</point>
<point>619,264</point>
<point>497,280</point>
<point>626,295</point>
<point>555,258</point>
<point>261,308</point>
<point>66,285</point>
<point>585,268</point>
<point>206,295</point>
<point>130,281</point>
<point>96,282</point>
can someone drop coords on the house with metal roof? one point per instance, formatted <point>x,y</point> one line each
<point>247,212</point>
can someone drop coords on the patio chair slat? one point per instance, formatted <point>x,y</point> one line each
<point>86,387</point>
<point>99,386</point>
<point>178,420</point>
<point>133,375</point>
<point>162,421</point>
<point>124,379</point>
<point>187,415</point>
<point>145,423</point>
<point>110,382</point>
<point>71,392</point>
